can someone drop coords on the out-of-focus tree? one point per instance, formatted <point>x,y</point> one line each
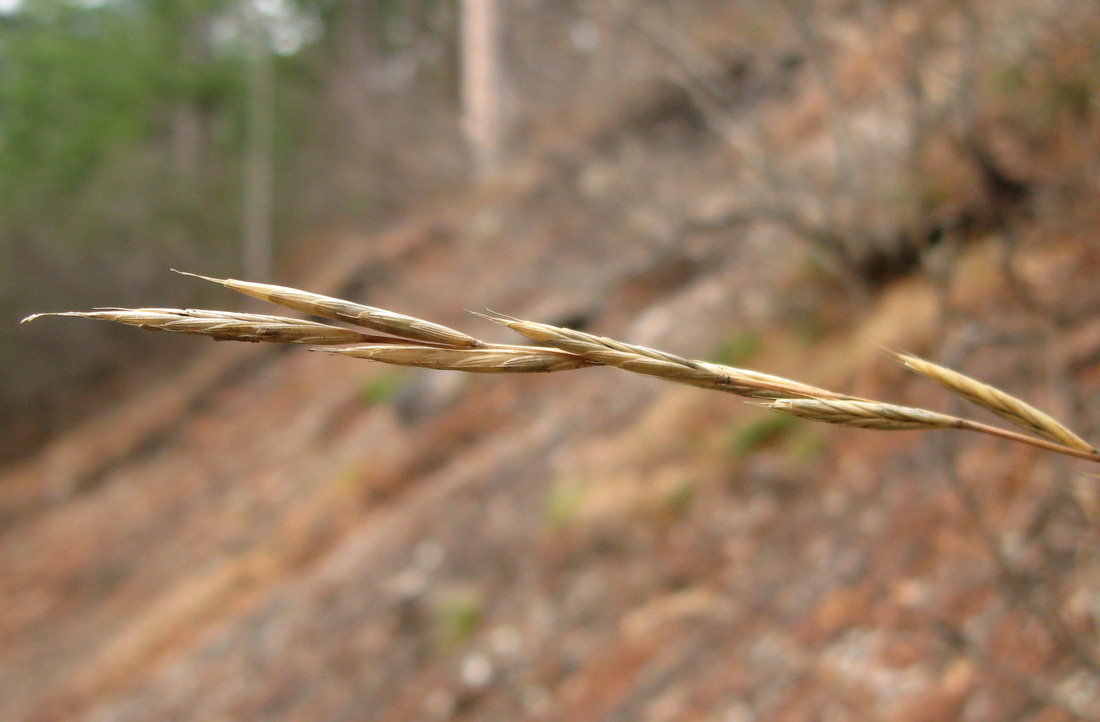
<point>138,135</point>
<point>104,111</point>
<point>482,82</point>
<point>382,126</point>
<point>121,128</point>
<point>256,241</point>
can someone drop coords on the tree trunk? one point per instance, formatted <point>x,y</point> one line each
<point>256,222</point>
<point>482,83</point>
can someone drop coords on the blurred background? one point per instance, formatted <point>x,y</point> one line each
<point>191,530</point>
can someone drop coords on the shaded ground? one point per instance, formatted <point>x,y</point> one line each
<point>284,535</point>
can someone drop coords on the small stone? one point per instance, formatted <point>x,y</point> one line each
<point>477,671</point>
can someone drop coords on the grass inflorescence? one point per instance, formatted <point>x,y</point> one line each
<point>411,341</point>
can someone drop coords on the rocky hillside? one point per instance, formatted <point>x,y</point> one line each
<point>273,534</point>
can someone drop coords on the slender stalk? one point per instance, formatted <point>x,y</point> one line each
<point>981,428</point>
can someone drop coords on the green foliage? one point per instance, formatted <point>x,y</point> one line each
<point>121,132</point>
<point>381,388</point>
<point>767,429</point>
<point>677,498</point>
<point>807,445</point>
<point>739,349</point>
<point>115,74</point>
<point>563,504</point>
<point>799,444</point>
<point>121,153</point>
<point>1077,92</point>
<point>456,614</point>
<point>1042,93</point>
<point>1009,79</point>
<point>809,327</point>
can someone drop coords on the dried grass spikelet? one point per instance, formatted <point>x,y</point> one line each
<point>865,414</point>
<point>891,417</point>
<point>488,360</point>
<point>376,319</point>
<point>1008,407</point>
<point>223,325</point>
<point>651,362</point>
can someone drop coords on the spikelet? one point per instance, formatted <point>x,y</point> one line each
<point>223,326</point>
<point>865,414</point>
<point>489,360</point>
<point>652,362</point>
<point>376,319</point>
<point>1008,407</point>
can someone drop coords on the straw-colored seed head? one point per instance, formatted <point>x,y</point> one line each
<point>651,362</point>
<point>367,316</point>
<point>478,360</point>
<point>415,342</point>
<point>223,325</point>
<point>864,414</point>
<point>992,399</point>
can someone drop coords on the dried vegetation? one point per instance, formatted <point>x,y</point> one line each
<point>415,342</point>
